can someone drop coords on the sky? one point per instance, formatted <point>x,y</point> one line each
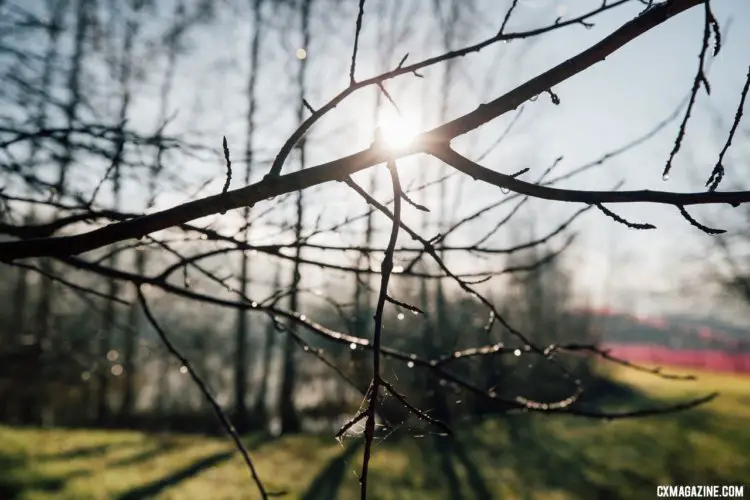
<point>601,109</point>
<point>608,105</point>
<point>626,94</point>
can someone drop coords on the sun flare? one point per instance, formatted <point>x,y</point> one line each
<point>397,130</point>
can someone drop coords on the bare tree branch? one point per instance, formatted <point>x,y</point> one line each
<point>206,392</point>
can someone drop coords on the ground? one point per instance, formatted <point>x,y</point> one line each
<point>546,458</point>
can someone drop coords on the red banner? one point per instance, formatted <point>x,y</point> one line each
<point>707,359</point>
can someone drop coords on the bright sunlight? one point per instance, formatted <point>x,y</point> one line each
<point>397,130</point>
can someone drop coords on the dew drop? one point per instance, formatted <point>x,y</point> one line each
<point>183,369</point>
<point>303,317</point>
<point>504,190</point>
<point>517,352</point>
<point>410,364</point>
<point>400,316</point>
<point>306,348</point>
<point>253,304</point>
<point>353,346</point>
<point>665,177</point>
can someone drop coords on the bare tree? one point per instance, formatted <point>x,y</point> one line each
<point>240,370</point>
<point>50,241</point>
<point>290,421</point>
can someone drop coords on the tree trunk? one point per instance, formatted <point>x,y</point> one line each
<point>260,410</point>
<point>290,421</point>
<point>110,314</point>
<point>242,332</point>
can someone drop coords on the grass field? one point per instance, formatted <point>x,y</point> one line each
<point>546,458</point>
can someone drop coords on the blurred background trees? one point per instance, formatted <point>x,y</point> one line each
<point>111,109</point>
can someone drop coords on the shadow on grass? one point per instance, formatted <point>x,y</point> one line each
<point>13,487</point>
<point>85,451</point>
<point>327,483</point>
<point>444,457</point>
<point>11,490</point>
<point>590,459</point>
<point>544,460</point>
<point>156,487</point>
<point>145,455</point>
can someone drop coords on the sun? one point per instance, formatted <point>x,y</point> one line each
<point>397,130</point>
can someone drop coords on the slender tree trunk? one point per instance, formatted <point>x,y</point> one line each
<point>242,332</point>
<point>135,316</point>
<point>442,328</point>
<point>130,350</point>
<point>241,417</point>
<point>163,393</point>
<point>260,411</point>
<point>290,421</point>
<point>113,285</point>
<point>42,320</point>
<point>45,307</point>
<point>14,335</point>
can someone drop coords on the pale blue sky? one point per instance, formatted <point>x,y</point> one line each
<point>608,105</point>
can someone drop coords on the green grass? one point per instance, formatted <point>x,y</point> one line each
<point>543,457</point>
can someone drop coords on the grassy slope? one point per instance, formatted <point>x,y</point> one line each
<point>542,458</point>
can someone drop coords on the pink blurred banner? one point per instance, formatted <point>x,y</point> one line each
<point>714,360</point>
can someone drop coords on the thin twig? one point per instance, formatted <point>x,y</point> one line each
<point>358,30</point>
<point>204,389</point>
<point>386,268</point>
<point>718,172</point>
